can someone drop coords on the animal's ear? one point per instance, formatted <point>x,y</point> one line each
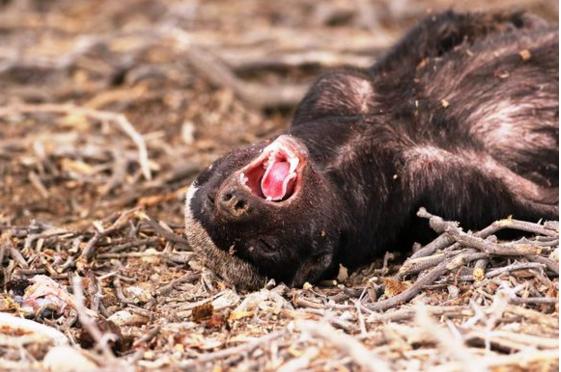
<point>338,93</point>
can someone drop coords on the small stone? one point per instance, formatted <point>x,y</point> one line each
<point>139,293</point>
<point>66,358</point>
<point>126,318</point>
<point>151,257</point>
<point>14,326</point>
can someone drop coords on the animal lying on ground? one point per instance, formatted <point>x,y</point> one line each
<point>460,117</point>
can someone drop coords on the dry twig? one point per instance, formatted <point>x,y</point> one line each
<point>103,116</point>
<point>363,357</point>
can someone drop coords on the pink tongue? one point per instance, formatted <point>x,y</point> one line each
<point>272,183</point>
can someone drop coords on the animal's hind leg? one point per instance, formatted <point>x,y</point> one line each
<point>473,188</point>
<point>535,199</point>
<point>530,200</point>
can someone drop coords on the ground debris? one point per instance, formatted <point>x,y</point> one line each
<point>173,314</point>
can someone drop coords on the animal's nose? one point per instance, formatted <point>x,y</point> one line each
<point>231,203</point>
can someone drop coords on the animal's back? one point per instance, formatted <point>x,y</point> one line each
<point>504,98</point>
<point>496,106</point>
<point>478,127</point>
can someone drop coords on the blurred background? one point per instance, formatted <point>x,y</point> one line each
<point>193,78</point>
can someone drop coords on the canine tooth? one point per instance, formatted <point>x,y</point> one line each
<point>293,163</point>
<point>243,178</point>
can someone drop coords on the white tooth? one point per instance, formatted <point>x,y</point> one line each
<point>293,163</point>
<point>243,178</point>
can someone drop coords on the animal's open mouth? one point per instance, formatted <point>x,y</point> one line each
<point>276,174</point>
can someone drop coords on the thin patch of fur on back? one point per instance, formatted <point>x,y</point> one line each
<point>467,64</point>
<point>512,112</point>
<point>339,93</point>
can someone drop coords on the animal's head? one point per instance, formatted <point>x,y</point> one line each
<point>269,210</point>
<point>263,211</point>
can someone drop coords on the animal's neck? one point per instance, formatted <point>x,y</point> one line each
<point>362,158</point>
<point>366,174</point>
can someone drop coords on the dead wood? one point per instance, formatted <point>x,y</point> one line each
<point>258,96</point>
<point>452,235</point>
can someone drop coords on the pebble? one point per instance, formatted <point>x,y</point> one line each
<point>66,358</point>
<point>126,318</point>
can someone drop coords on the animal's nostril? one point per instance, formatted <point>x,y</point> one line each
<point>232,204</point>
<point>240,205</point>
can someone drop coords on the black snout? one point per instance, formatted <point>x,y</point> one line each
<point>231,203</point>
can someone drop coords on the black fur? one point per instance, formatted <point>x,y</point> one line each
<point>461,117</point>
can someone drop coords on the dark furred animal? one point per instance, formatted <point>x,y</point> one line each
<point>460,117</point>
